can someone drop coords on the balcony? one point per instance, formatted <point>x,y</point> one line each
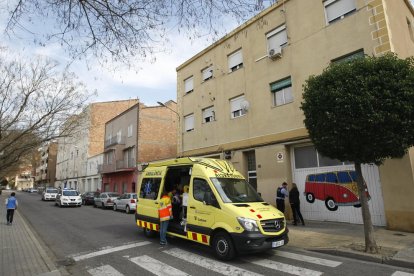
<point>108,168</point>
<point>121,164</point>
<point>114,141</point>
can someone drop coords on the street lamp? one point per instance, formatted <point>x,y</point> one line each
<point>179,125</point>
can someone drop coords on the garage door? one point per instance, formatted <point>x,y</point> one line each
<point>328,175</point>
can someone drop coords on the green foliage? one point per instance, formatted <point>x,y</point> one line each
<point>362,110</point>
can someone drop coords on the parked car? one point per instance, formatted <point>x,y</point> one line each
<point>127,202</point>
<point>105,200</point>
<point>68,198</point>
<point>49,194</point>
<point>32,190</point>
<point>88,198</point>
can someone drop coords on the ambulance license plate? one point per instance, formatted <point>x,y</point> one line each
<point>278,243</point>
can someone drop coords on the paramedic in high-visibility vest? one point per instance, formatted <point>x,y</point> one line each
<point>165,214</point>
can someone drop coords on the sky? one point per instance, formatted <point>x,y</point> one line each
<point>154,82</point>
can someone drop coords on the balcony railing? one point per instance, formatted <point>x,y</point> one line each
<point>115,141</point>
<point>121,164</point>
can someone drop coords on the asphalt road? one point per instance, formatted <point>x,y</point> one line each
<point>91,241</point>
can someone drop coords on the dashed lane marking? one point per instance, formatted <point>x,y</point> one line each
<point>401,273</point>
<point>308,259</point>
<point>109,250</point>
<point>209,264</point>
<point>156,267</point>
<point>105,270</point>
<point>295,270</point>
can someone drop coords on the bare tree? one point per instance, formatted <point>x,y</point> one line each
<point>37,104</point>
<point>122,30</point>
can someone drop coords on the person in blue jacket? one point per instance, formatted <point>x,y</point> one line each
<point>11,205</point>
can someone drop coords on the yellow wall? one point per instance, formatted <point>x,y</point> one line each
<point>312,44</point>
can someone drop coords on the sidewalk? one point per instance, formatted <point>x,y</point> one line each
<point>347,240</point>
<point>21,252</point>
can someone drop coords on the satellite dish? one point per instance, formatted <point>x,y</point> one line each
<point>245,105</point>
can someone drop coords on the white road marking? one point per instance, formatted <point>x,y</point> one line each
<point>209,264</point>
<point>295,270</point>
<point>109,250</point>
<point>308,259</point>
<point>156,267</point>
<point>400,273</point>
<point>105,270</point>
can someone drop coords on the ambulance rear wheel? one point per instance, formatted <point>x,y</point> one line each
<point>223,246</point>
<point>149,233</point>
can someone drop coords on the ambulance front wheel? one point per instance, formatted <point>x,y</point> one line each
<point>149,233</point>
<point>223,246</point>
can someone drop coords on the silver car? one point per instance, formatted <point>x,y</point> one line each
<point>127,202</point>
<point>105,200</point>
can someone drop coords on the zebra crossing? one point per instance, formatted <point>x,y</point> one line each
<point>155,266</point>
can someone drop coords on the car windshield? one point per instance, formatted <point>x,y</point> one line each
<point>234,190</point>
<point>52,191</point>
<point>113,195</point>
<point>70,193</point>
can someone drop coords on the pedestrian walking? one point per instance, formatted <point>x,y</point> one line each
<point>281,194</point>
<point>165,214</point>
<point>11,205</point>
<point>295,204</point>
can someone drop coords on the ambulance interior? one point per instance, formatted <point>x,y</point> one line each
<point>177,181</point>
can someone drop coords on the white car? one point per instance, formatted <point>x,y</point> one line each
<point>49,194</point>
<point>68,198</point>
<point>127,202</point>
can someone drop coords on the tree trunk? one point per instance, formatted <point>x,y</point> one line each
<point>370,244</point>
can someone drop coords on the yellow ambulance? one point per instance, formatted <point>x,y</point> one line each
<point>212,204</point>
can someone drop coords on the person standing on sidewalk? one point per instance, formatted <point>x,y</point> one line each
<point>11,205</point>
<point>295,204</point>
<point>165,214</point>
<point>281,194</point>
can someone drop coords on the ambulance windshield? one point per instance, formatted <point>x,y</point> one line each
<point>234,190</point>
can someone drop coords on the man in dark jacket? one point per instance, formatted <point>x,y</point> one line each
<point>295,204</point>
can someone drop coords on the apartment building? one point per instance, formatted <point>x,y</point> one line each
<point>46,169</point>
<point>138,135</point>
<point>240,98</point>
<point>80,155</point>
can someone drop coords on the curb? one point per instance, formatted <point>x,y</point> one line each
<point>50,265</point>
<point>365,257</point>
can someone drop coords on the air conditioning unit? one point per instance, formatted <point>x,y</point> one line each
<point>275,53</point>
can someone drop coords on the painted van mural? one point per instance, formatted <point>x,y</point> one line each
<point>338,188</point>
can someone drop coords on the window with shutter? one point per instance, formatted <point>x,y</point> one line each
<point>277,38</point>
<point>235,61</point>
<point>189,122</point>
<point>338,9</point>
<point>208,114</point>
<point>207,73</point>
<point>236,109</point>
<point>188,85</point>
